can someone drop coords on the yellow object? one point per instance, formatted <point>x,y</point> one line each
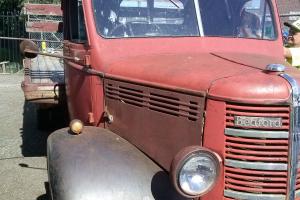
<point>44,46</point>
<point>295,60</point>
<point>76,126</point>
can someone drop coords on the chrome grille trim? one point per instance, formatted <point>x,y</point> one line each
<point>251,196</point>
<point>256,133</point>
<point>294,135</point>
<point>256,165</point>
<point>256,158</point>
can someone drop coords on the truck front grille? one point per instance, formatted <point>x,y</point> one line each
<point>256,159</point>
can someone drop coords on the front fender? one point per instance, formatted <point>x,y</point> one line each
<point>100,165</point>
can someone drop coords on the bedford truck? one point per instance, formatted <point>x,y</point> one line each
<point>175,99</point>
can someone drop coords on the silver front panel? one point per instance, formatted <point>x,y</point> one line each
<point>256,134</point>
<point>248,196</point>
<point>256,165</point>
<point>294,136</point>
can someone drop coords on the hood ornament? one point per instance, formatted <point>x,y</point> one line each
<point>275,68</point>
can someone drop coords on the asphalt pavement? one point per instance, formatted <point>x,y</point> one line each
<point>23,168</point>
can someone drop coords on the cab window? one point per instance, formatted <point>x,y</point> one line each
<point>145,18</point>
<point>245,19</point>
<point>77,24</point>
<point>250,19</point>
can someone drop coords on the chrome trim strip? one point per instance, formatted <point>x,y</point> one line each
<point>256,133</point>
<point>294,136</point>
<point>256,165</point>
<point>252,196</point>
<point>275,68</point>
<point>199,18</point>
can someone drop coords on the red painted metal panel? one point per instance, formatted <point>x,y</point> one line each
<point>42,9</point>
<point>255,158</point>
<point>43,26</point>
<point>256,189</point>
<point>257,153</point>
<point>165,113</point>
<point>259,108</point>
<point>258,111</point>
<point>257,141</point>
<point>257,147</point>
<point>256,150</point>
<point>192,58</point>
<point>298,180</point>
<point>214,139</point>
<point>255,184</point>
<point>248,174</point>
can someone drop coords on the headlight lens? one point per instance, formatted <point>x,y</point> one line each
<point>198,174</point>
<point>196,171</point>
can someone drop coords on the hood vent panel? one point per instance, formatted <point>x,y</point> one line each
<point>154,100</point>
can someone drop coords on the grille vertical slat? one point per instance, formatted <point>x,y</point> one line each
<point>256,158</point>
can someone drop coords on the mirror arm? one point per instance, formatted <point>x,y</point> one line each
<point>87,69</point>
<point>53,55</point>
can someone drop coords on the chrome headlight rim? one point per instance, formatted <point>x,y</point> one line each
<point>186,155</point>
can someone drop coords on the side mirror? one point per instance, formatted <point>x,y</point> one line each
<point>29,49</point>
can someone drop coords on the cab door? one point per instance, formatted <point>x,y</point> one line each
<point>80,86</point>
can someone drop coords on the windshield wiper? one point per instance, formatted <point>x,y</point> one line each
<point>175,4</point>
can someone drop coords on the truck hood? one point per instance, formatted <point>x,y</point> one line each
<point>208,73</point>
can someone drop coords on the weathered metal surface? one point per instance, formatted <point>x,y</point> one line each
<point>262,158</point>
<point>43,93</point>
<point>159,122</point>
<point>42,9</point>
<point>43,26</point>
<point>188,63</point>
<point>43,80</point>
<point>99,164</point>
<point>45,69</point>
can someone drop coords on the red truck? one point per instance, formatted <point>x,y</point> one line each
<point>181,99</point>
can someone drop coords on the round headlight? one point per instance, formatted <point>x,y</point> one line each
<point>195,171</point>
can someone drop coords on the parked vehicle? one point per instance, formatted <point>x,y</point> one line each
<point>179,101</point>
<point>43,83</point>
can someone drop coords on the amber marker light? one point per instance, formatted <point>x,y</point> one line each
<point>76,126</point>
<point>195,171</point>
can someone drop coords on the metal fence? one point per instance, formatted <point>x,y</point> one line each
<point>43,1</point>
<point>53,39</point>
<point>12,25</point>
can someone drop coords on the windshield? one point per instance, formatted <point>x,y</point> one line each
<point>159,18</point>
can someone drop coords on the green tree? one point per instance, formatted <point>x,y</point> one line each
<point>9,5</point>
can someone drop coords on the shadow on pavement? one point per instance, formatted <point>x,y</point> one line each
<point>33,135</point>
<point>47,195</point>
